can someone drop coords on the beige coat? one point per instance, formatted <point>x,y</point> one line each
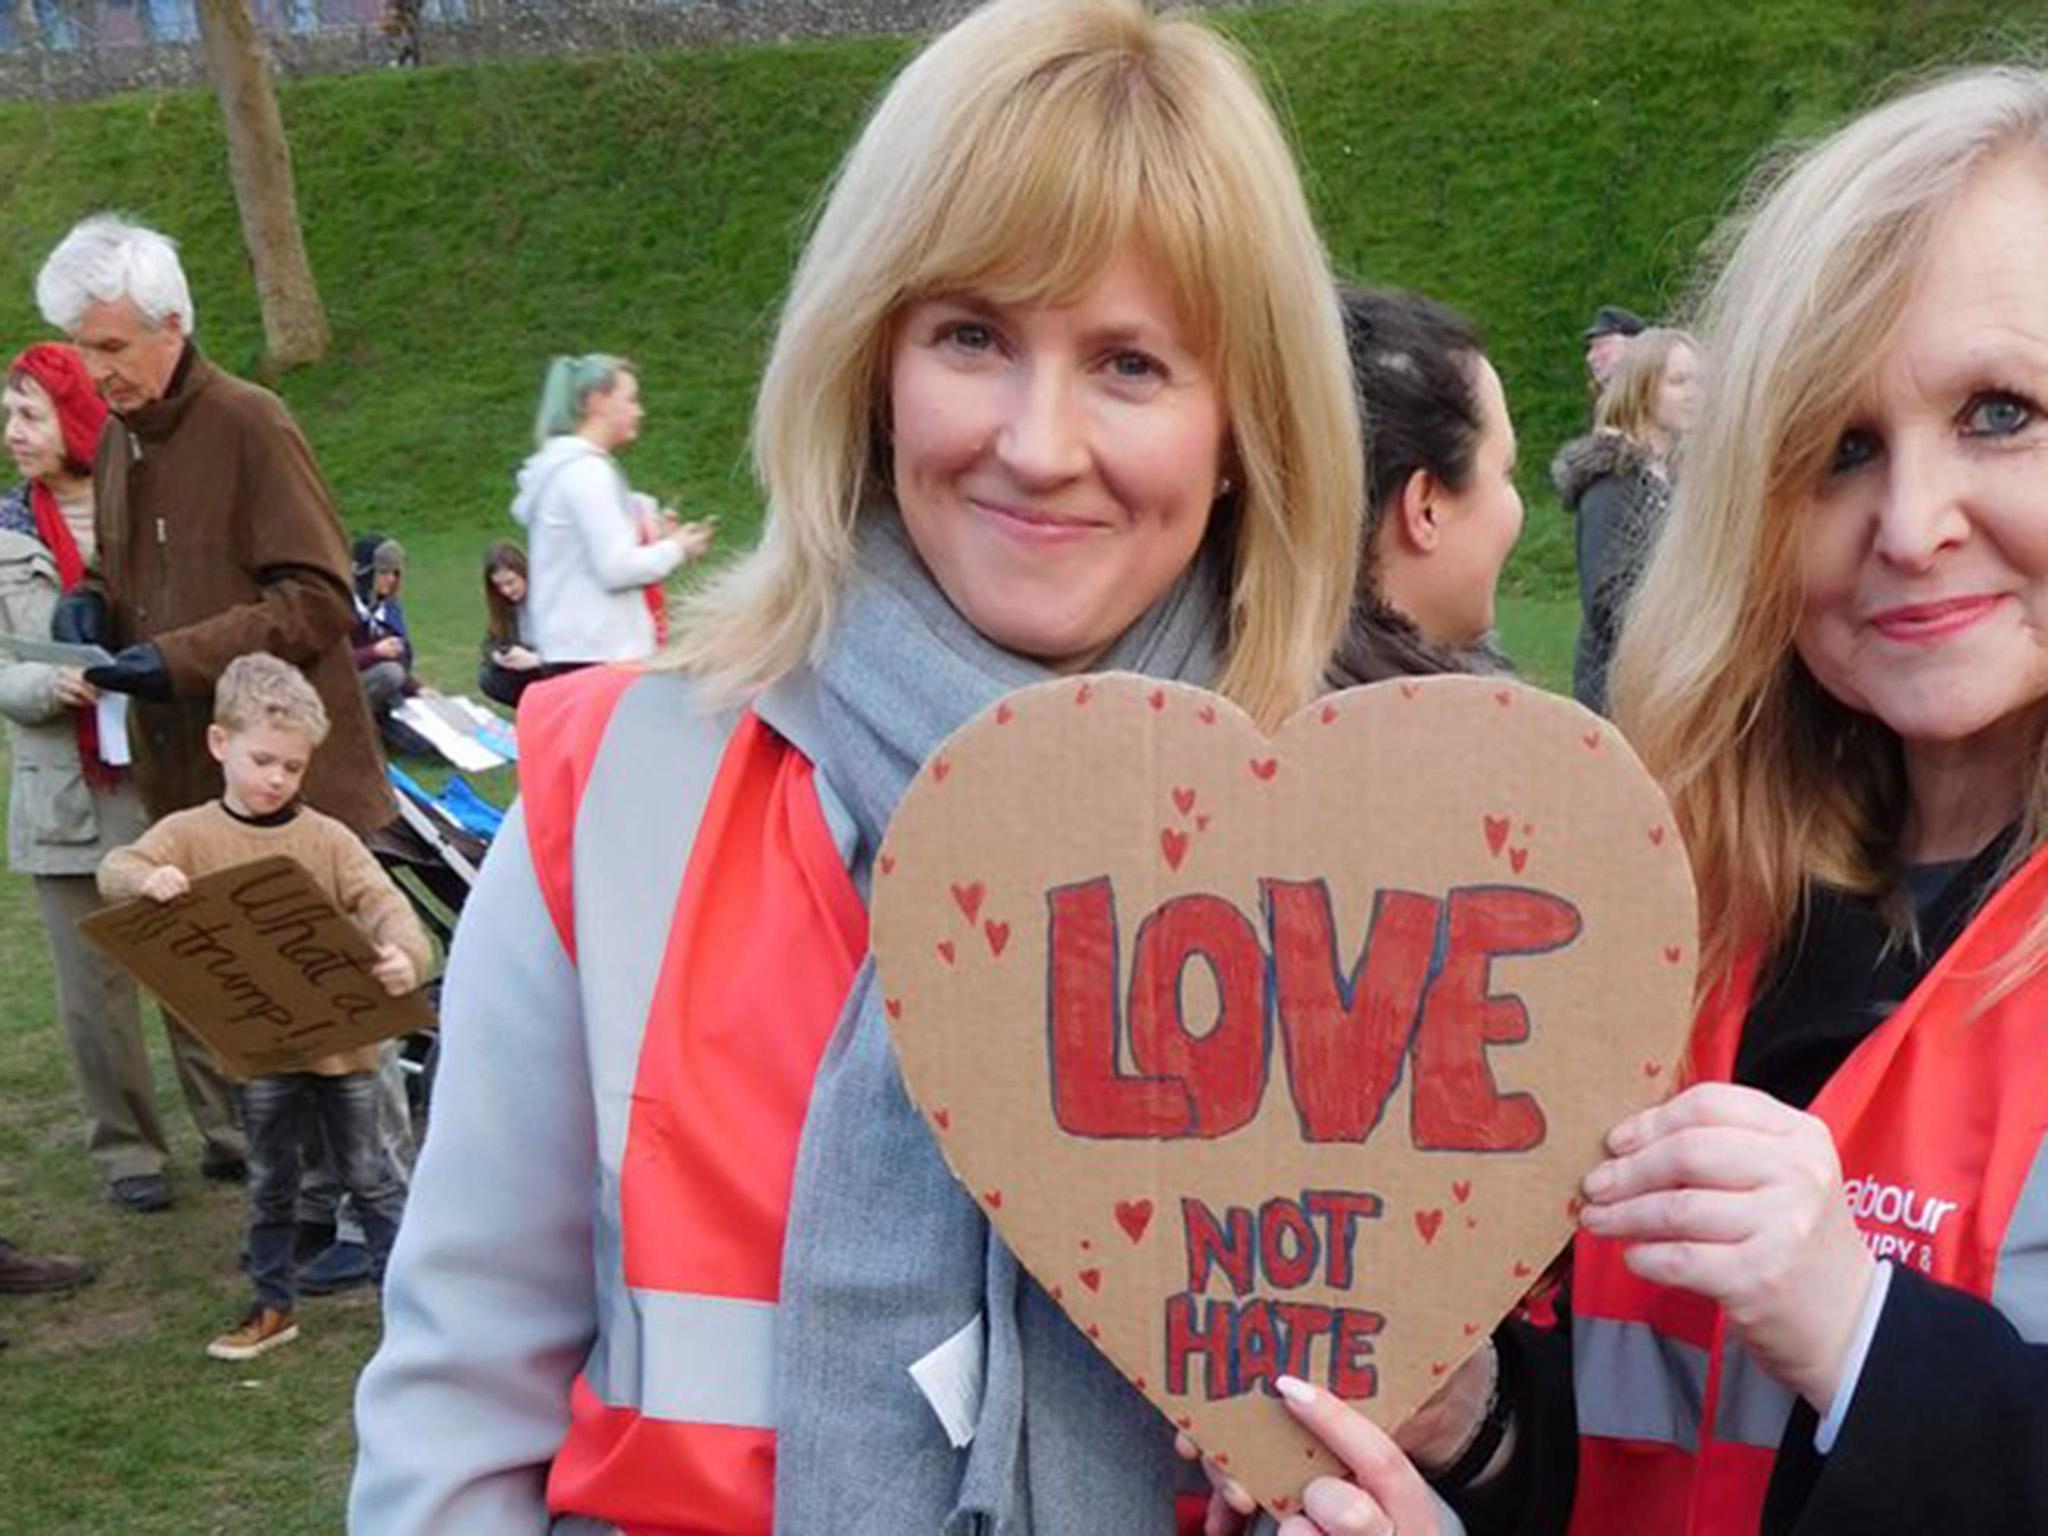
<point>57,824</point>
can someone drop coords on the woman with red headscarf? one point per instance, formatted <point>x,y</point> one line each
<point>66,805</point>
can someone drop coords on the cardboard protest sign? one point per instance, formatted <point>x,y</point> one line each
<point>258,963</point>
<point>1288,1054</point>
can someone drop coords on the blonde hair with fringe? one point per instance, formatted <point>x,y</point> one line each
<point>261,689</point>
<point>1014,158</point>
<point>1773,783</point>
<point>1628,404</point>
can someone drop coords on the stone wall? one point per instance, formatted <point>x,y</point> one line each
<point>107,53</point>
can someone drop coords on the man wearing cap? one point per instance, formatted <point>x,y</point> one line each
<point>1606,339</point>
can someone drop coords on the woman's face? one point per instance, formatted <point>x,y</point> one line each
<point>508,584</point>
<point>1477,525</point>
<point>1055,466</point>
<point>1924,570</point>
<point>1678,392</point>
<point>611,417</point>
<point>35,441</point>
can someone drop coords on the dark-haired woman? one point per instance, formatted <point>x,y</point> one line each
<point>510,661</point>
<point>1442,510</point>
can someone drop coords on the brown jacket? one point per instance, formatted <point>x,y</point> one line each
<point>217,537</point>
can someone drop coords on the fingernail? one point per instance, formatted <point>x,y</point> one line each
<point>1624,1137</point>
<point>1294,1389</point>
<point>1598,1181</point>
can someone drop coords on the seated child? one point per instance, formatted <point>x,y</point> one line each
<point>268,722</point>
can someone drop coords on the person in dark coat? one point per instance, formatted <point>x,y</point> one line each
<point>1616,481</point>
<point>1442,511</point>
<point>217,534</point>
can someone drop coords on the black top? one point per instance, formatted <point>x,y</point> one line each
<point>1841,976</point>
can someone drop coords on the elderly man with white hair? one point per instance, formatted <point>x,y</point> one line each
<point>216,537</point>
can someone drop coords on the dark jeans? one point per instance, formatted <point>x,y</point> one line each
<point>274,1108</point>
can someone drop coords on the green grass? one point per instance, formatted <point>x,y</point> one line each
<point>1523,159</point>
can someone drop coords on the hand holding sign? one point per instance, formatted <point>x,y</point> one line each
<point>1282,1056</point>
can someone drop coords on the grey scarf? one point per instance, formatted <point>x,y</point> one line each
<point>886,1257</point>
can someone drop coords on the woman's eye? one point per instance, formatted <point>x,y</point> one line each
<point>1129,364</point>
<point>1997,415</point>
<point>1855,449</point>
<point>969,335</point>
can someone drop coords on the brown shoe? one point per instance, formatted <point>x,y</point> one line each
<point>260,1332</point>
<point>23,1274</point>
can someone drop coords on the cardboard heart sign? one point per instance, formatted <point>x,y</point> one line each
<point>1282,1054</point>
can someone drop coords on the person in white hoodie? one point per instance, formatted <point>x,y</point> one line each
<point>599,551</point>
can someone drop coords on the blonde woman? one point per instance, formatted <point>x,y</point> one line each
<point>1811,1291</point>
<point>1060,383</point>
<point>1616,481</point>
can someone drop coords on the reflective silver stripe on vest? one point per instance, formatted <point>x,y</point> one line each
<point>2021,1289</point>
<point>634,826</point>
<point>707,1359</point>
<point>1634,1384</point>
<point>1751,1408</point>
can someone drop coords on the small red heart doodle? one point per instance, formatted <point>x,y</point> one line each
<point>945,947</point>
<point>1087,1246</point>
<point>1522,1271</point>
<point>1410,690</point>
<point>1518,859</point>
<point>968,899</point>
<point>1329,714</point>
<point>1202,822</point>
<point>1590,741</point>
<point>1502,697</point>
<point>887,863</point>
<point>1156,698</point>
<point>1183,800</point>
<point>993,1199</point>
<point>1656,837</point>
<point>1221,1458</point>
<point>1092,1278</point>
<point>894,1005</point>
<point>1094,1332</point>
<point>1438,1367</point>
<point>1005,714</point>
<point>1310,1453</point>
<point>997,934</point>
<point>1174,845</point>
<point>1427,1222</point>
<point>1673,954</point>
<point>1138,1382</point>
<point>1471,1223</point>
<point>943,1119</point>
<point>1528,829</point>
<point>1652,1068</point>
<point>1134,1216</point>
<point>1470,1329</point>
<point>1206,714</point>
<point>1059,1293</point>
<point>1084,693</point>
<point>1283,1504</point>
<point>1265,767</point>
<point>940,768</point>
<point>1461,1190</point>
<point>1185,1422</point>
<point>1497,829</point>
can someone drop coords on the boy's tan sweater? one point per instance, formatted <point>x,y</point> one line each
<point>206,838</point>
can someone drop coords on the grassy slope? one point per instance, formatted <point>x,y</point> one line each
<point>1522,159</point>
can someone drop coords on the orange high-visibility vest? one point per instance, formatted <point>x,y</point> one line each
<point>671,1420</point>
<point>1938,1121</point>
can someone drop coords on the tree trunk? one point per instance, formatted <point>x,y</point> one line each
<point>260,164</point>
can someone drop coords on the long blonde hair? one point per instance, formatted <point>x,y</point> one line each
<point>1015,157</point>
<point>1628,404</point>
<point>1775,783</point>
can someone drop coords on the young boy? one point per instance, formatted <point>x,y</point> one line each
<point>267,722</point>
